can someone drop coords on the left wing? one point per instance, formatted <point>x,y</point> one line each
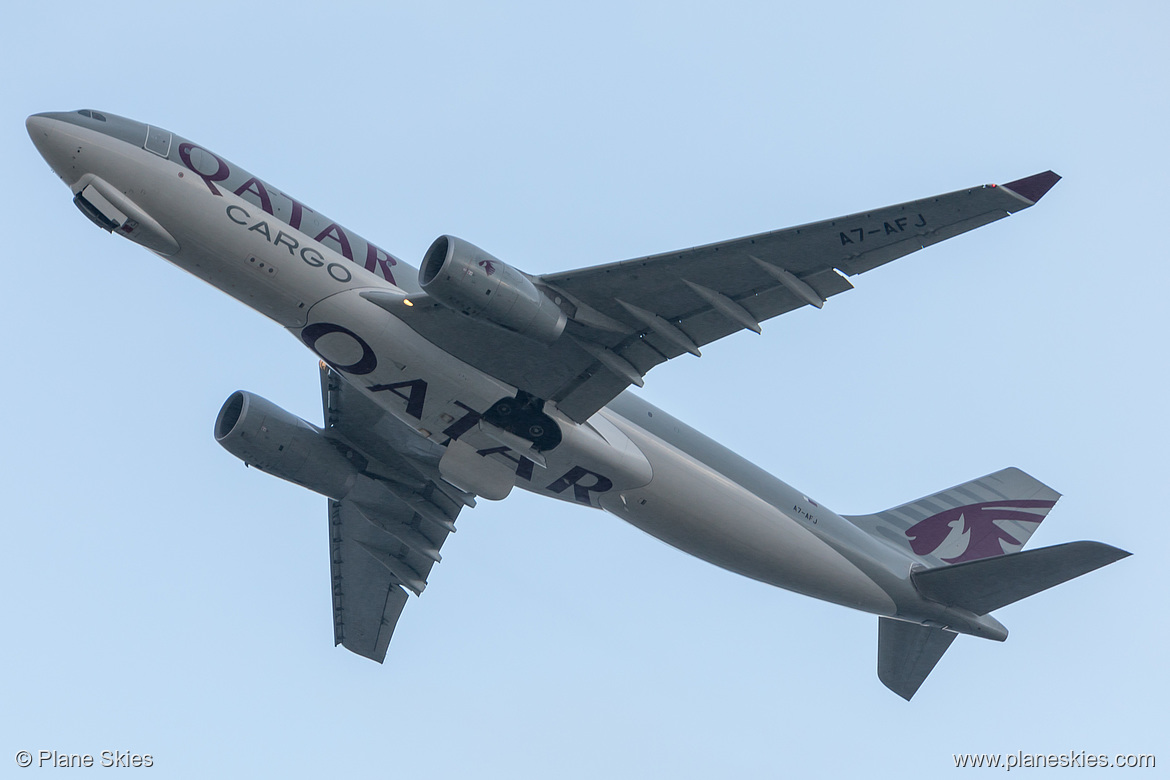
<point>627,317</point>
<point>385,535</point>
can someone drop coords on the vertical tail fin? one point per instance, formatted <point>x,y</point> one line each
<point>983,518</point>
<point>968,537</point>
<point>907,653</point>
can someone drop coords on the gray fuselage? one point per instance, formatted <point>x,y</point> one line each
<point>307,272</point>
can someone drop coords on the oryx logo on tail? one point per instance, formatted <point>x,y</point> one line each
<point>978,527</point>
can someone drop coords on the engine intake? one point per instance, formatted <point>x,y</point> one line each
<point>465,278</point>
<point>279,443</point>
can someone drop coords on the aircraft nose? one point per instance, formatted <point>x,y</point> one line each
<point>48,135</point>
<point>39,128</point>
<point>42,125</point>
<point>35,122</point>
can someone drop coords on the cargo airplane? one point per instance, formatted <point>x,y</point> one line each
<point>468,377</point>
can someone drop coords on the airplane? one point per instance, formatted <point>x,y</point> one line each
<point>467,377</point>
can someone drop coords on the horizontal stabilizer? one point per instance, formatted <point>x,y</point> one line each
<point>907,652</point>
<point>988,584</point>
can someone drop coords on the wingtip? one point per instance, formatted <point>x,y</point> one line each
<point>1114,554</point>
<point>906,693</point>
<point>1105,553</point>
<point>1033,188</point>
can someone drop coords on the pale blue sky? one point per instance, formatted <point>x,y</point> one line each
<point>160,598</point>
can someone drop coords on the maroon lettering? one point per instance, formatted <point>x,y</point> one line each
<point>414,401</point>
<point>523,464</point>
<point>379,261</point>
<point>256,187</point>
<point>335,232</point>
<point>581,492</point>
<point>221,172</point>
<point>464,423</point>
<point>298,208</point>
<point>310,334</point>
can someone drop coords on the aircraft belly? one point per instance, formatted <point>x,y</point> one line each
<point>694,508</point>
<point>442,399</point>
<point>314,291</point>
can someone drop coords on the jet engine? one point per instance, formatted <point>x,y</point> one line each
<point>279,443</point>
<point>466,278</point>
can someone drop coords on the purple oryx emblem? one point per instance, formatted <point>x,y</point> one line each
<point>489,266</point>
<point>984,536</point>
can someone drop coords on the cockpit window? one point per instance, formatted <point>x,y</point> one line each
<point>157,141</point>
<point>92,114</point>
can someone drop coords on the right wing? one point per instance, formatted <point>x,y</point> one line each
<point>627,317</point>
<point>385,535</point>
<point>648,310</point>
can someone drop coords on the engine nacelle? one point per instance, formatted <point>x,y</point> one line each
<point>468,279</point>
<point>279,443</point>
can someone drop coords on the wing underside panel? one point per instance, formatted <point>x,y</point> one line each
<point>633,315</point>
<point>386,533</point>
<point>710,292</point>
<point>367,598</point>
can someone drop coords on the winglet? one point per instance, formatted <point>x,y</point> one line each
<point>1033,188</point>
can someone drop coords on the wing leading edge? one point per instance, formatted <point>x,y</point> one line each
<point>679,301</point>
<point>627,317</point>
